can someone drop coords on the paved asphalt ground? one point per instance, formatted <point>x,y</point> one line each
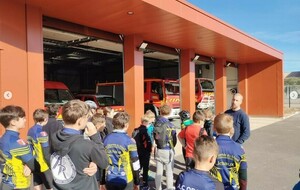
<point>272,152</point>
<point>273,156</point>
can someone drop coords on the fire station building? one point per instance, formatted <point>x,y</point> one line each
<point>151,38</point>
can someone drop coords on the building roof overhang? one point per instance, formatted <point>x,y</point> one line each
<point>171,23</point>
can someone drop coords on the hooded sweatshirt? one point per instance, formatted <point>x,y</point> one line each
<point>71,154</point>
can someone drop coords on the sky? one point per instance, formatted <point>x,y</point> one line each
<point>274,22</point>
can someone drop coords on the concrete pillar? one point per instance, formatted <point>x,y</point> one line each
<point>187,80</point>
<point>133,80</point>
<point>35,61</point>
<point>220,86</point>
<point>21,68</point>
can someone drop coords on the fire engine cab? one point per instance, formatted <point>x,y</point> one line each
<point>204,93</point>
<point>156,92</point>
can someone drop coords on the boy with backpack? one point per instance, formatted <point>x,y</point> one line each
<point>188,135</point>
<point>38,139</point>
<point>122,172</point>
<point>165,139</point>
<point>72,153</point>
<point>144,147</point>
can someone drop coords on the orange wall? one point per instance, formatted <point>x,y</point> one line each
<point>21,70</point>
<point>265,89</point>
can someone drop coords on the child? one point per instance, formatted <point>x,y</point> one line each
<point>205,154</point>
<point>231,166</point>
<point>188,135</point>
<point>150,127</point>
<point>38,141</point>
<point>72,153</point>
<point>144,147</point>
<point>165,147</point>
<point>53,125</point>
<point>109,114</point>
<point>123,170</point>
<point>185,118</point>
<point>15,151</point>
<point>208,124</point>
<point>99,121</point>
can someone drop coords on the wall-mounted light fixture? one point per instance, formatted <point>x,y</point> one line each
<point>143,46</point>
<point>195,58</point>
<point>227,64</point>
<point>130,12</point>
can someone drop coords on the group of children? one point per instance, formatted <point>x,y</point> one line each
<point>67,161</point>
<point>85,152</point>
<point>213,159</point>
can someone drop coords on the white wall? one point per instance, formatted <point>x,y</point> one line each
<point>232,82</point>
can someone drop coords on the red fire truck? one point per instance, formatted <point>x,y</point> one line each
<point>205,93</point>
<point>156,92</point>
<point>164,91</point>
<point>57,93</point>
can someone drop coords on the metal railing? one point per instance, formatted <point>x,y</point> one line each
<point>292,96</point>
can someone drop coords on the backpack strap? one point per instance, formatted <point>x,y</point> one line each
<point>170,137</point>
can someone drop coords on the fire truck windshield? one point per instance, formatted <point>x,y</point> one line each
<point>172,88</point>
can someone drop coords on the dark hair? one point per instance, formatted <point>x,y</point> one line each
<point>39,115</point>
<point>9,113</point>
<point>52,110</point>
<point>184,115</point>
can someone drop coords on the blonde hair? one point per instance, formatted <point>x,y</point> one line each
<point>145,119</point>
<point>107,110</point>
<point>149,114</point>
<point>98,118</point>
<point>208,113</point>
<point>165,110</point>
<point>120,120</point>
<point>73,110</point>
<point>198,116</point>
<point>223,123</point>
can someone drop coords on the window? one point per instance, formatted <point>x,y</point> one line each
<point>172,88</point>
<point>57,96</point>
<point>207,85</point>
<point>108,101</point>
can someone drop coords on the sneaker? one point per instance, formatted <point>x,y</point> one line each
<point>145,187</point>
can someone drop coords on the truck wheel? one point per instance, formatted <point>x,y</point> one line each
<point>294,95</point>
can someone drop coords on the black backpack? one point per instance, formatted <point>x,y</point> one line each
<point>142,139</point>
<point>162,134</point>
